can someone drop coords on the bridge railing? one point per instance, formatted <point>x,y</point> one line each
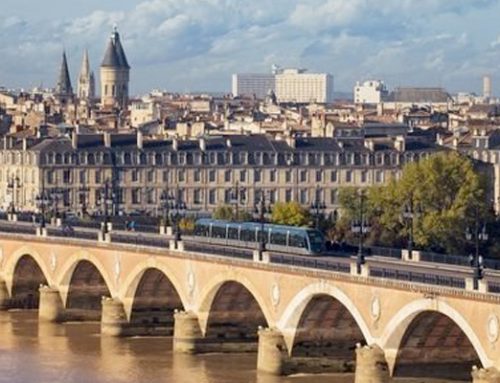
<point>418,277</point>
<point>313,263</point>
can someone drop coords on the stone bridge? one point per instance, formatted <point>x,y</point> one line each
<point>297,319</point>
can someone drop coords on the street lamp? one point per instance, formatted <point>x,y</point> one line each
<point>106,199</point>
<point>476,260</point>
<point>318,207</point>
<point>235,197</point>
<point>409,215</point>
<point>361,227</point>
<point>42,201</point>
<point>178,207</point>
<point>13,184</point>
<point>167,202</point>
<point>261,208</point>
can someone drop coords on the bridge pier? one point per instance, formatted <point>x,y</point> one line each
<point>490,375</point>
<point>51,307</point>
<point>187,333</point>
<point>371,366</point>
<point>271,354</point>
<point>113,318</point>
<point>4,296</point>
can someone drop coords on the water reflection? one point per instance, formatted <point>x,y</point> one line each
<point>76,353</point>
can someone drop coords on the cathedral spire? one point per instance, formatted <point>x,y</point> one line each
<point>86,81</point>
<point>64,90</point>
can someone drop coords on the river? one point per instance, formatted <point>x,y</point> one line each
<point>76,353</point>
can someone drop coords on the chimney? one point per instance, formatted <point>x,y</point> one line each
<point>25,144</point>
<point>228,143</point>
<point>140,140</point>
<point>203,144</point>
<point>400,144</point>
<point>107,139</point>
<point>175,144</point>
<point>370,145</point>
<point>74,140</point>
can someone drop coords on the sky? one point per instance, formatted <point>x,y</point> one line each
<point>195,45</point>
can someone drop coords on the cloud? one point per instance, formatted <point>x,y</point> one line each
<point>197,44</point>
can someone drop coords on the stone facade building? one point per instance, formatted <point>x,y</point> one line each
<point>203,173</point>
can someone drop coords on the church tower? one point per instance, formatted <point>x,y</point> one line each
<point>64,90</point>
<point>86,81</point>
<point>114,74</point>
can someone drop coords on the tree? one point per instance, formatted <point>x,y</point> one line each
<point>290,213</point>
<point>444,194</point>
<point>224,212</point>
<point>228,213</point>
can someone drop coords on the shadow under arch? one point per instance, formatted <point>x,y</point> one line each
<point>11,263</point>
<point>86,289</point>
<point>231,311</point>
<point>154,302</point>
<point>425,339</point>
<point>322,296</point>
<point>26,280</point>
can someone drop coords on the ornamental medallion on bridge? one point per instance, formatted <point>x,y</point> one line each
<point>53,261</point>
<point>191,282</point>
<point>275,294</point>
<point>375,308</point>
<point>493,327</point>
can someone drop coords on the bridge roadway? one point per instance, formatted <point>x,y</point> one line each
<point>408,318</point>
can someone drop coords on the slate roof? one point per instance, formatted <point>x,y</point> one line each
<point>114,56</point>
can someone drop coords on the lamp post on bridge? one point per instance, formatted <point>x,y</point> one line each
<point>318,207</point>
<point>476,260</point>
<point>409,215</point>
<point>167,201</point>
<point>361,227</point>
<point>178,207</point>
<point>261,208</point>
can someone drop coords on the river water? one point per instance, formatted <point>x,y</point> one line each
<point>76,353</point>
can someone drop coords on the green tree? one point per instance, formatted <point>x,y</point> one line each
<point>290,213</point>
<point>224,212</point>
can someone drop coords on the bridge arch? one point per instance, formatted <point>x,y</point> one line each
<point>403,323</point>
<point>13,261</point>
<point>129,286</point>
<point>26,280</point>
<point>69,267</point>
<point>234,284</point>
<point>293,313</point>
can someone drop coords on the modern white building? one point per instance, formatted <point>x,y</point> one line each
<point>289,85</point>
<point>370,92</point>
<point>296,85</point>
<point>253,84</point>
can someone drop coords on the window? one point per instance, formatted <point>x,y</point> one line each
<point>303,176</point>
<point>151,176</point>
<point>181,176</point>
<point>288,176</point>
<point>211,176</point>
<point>288,195</point>
<point>257,176</point>
<point>135,176</point>
<point>197,176</point>
<point>83,176</point>
<point>303,197</point>
<point>67,176</point>
<point>228,196</point>
<point>348,176</point>
<point>150,196</point>
<point>333,197</point>
<point>243,176</point>
<point>379,176</point>
<point>319,175</point>
<point>227,176</point>
<point>212,197</point>
<point>333,176</point>
<point>364,176</point>
<point>165,176</point>
<point>272,175</point>
<point>136,196</point>
<point>197,197</point>
<point>97,176</point>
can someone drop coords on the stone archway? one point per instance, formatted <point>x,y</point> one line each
<point>26,281</point>
<point>419,339</point>
<point>87,287</point>
<point>434,346</point>
<point>154,302</point>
